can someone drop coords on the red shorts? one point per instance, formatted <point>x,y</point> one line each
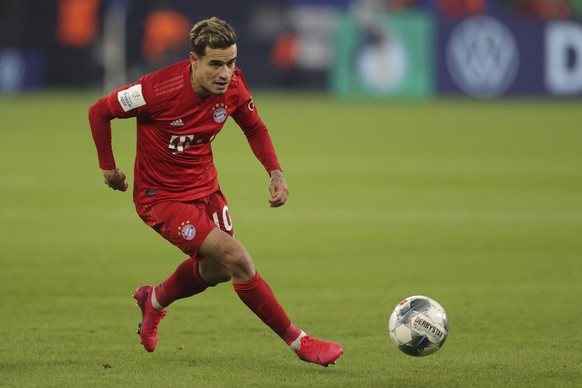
<point>187,224</point>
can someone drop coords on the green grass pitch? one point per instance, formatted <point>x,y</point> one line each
<point>476,204</point>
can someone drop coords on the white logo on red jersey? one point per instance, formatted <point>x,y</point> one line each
<point>177,123</point>
<point>178,143</point>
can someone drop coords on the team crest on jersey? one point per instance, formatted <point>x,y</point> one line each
<point>187,230</point>
<point>220,114</point>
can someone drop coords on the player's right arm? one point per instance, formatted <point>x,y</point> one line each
<point>122,103</point>
<point>115,179</point>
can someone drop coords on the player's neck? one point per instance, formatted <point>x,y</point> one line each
<point>202,93</point>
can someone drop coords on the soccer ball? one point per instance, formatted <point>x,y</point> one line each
<point>418,326</point>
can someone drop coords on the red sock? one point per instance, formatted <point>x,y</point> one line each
<point>184,282</point>
<point>259,297</point>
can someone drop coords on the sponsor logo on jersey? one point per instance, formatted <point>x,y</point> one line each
<point>220,113</point>
<point>131,98</point>
<point>179,142</point>
<point>187,230</point>
<point>177,123</point>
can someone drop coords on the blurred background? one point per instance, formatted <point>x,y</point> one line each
<point>379,48</point>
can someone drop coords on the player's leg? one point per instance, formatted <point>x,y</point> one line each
<point>221,270</point>
<point>187,280</point>
<point>184,282</point>
<point>150,319</point>
<point>185,226</point>
<point>253,290</point>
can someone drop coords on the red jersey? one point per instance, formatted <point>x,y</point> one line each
<point>175,130</point>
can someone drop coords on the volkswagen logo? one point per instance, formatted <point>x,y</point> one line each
<point>482,57</point>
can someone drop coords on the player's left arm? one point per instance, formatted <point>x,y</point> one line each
<point>248,119</point>
<point>262,146</point>
<point>263,149</point>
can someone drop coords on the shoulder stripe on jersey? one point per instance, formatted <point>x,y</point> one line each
<point>169,85</point>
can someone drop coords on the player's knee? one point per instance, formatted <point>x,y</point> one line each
<point>231,255</point>
<point>232,267</point>
<point>213,272</point>
<point>237,259</point>
<point>221,277</point>
<point>242,267</point>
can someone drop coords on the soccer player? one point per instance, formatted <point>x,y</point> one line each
<point>179,110</point>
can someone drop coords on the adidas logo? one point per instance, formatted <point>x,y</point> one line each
<point>177,123</point>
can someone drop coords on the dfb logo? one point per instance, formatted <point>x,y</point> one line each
<point>563,60</point>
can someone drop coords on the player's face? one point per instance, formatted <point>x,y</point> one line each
<point>211,74</point>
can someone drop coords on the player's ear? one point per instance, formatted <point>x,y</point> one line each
<point>193,59</point>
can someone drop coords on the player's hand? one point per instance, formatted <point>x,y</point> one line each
<point>115,179</point>
<point>278,189</point>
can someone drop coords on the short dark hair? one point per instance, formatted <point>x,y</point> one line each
<point>214,33</point>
